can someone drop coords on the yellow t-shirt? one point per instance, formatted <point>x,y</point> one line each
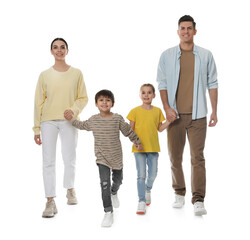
<point>146,127</point>
<point>57,92</point>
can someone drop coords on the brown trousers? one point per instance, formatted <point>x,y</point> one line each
<point>196,133</point>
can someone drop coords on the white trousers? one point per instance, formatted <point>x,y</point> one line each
<point>68,136</point>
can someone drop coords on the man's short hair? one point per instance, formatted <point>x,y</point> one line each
<point>186,18</point>
<point>105,93</point>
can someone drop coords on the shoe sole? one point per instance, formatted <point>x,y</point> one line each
<point>71,203</point>
<point>49,216</point>
<point>141,213</point>
<point>200,213</point>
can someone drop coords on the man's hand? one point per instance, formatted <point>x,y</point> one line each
<point>171,115</point>
<point>213,120</point>
<point>68,114</point>
<point>37,139</point>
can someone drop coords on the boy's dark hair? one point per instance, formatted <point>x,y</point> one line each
<point>186,18</point>
<point>105,93</point>
<point>149,85</point>
<point>58,39</point>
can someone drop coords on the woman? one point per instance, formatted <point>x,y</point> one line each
<point>59,88</point>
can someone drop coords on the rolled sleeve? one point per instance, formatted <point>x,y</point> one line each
<point>212,81</point>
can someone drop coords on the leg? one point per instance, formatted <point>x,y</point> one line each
<point>196,137</point>
<point>104,173</point>
<point>152,161</point>
<point>68,135</point>
<point>176,142</point>
<point>49,131</point>
<point>141,175</point>
<point>117,177</point>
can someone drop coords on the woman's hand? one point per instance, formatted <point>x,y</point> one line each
<point>37,139</point>
<point>68,114</point>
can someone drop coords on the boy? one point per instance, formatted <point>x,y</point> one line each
<point>106,127</point>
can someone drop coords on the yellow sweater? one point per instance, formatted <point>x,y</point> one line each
<point>56,92</point>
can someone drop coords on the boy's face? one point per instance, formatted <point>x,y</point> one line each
<point>104,104</point>
<point>147,95</point>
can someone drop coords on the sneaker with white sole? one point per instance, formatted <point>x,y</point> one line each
<point>71,195</point>
<point>141,209</point>
<point>115,200</point>
<point>108,219</point>
<point>199,209</point>
<point>179,201</point>
<point>148,198</point>
<point>50,209</point>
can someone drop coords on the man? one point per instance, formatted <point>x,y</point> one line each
<point>184,74</point>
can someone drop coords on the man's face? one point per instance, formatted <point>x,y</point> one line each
<point>186,32</point>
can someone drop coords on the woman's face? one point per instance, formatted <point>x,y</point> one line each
<point>59,50</point>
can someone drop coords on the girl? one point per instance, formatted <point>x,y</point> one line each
<point>59,88</point>
<point>145,121</point>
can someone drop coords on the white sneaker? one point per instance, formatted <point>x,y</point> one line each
<point>179,201</point>
<point>50,209</point>
<point>148,198</point>
<point>107,220</point>
<point>141,209</point>
<point>71,195</point>
<point>199,209</point>
<point>115,201</point>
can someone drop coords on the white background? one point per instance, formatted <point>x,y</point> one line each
<point>117,45</point>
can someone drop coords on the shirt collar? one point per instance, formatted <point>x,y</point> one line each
<point>179,50</point>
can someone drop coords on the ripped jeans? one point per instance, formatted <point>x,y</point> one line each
<point>106,187</point>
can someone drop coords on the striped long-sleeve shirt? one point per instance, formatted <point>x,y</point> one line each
<point>106,131</point>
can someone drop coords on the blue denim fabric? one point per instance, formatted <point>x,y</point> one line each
<point>145,179</point>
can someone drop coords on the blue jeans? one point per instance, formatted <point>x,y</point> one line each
<point>145,179</point>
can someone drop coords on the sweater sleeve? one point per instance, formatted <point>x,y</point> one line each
<point>40,97</point>
<point>127,131</point>
<point>82,98</point>
<point>82,125</point>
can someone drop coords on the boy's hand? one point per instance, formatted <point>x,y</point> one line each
<point>139,147</point>
<point>68,114</point>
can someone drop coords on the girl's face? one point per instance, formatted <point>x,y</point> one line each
<point>59,50</point>
<point>147,95</point>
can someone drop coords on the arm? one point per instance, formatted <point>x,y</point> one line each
<point>138,146</point>
<point>163,126</point>
<point>82,98</point>
<point>132,124</point>
<point>127,131</point>
<point>82,125</point>
<point>40,97</point>
<point>171,115</point>
<point>213,94</point>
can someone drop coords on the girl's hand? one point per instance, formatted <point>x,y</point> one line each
<point>139,147</point>
<point>68,114</point>
<point>37,139</point>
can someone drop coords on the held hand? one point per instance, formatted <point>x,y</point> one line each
<point>213,120</point>
<point>139,147</point>
<point>171,115</point>
<point>37,139</point>
<point>68,114</point>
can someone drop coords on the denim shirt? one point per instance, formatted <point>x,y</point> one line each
<point>205,77</point>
